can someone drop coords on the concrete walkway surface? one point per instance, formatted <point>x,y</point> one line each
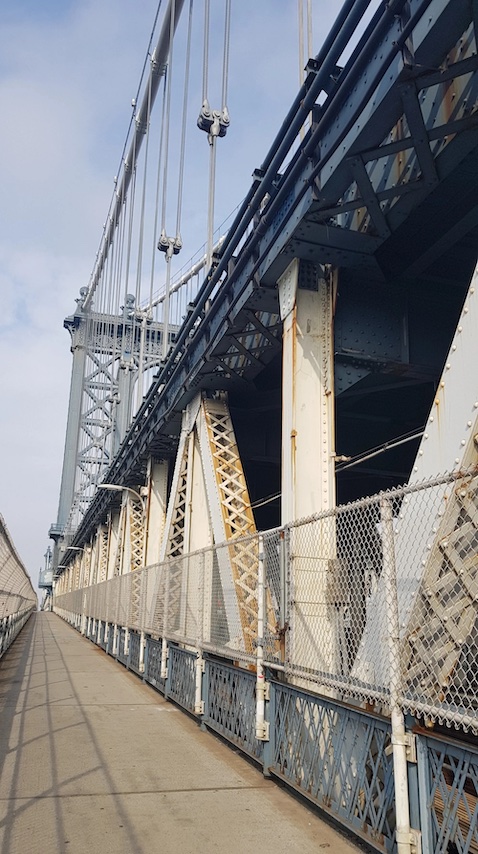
<point>93,760</point>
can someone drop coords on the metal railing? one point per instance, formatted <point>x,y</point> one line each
<point>374,598</point>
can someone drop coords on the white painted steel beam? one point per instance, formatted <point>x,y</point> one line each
<point>308,457</point>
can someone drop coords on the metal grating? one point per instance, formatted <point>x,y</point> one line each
<point>231,706</point>
<point>336,756</point>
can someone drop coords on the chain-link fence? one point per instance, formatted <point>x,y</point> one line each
<point>375,601</point>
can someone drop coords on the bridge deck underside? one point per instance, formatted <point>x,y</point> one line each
<point>382,188</point>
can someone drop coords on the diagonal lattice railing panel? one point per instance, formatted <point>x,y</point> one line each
<point>230,708</point>
<point>338,757</point>
<point>182,677</point>
<point>449,775</point>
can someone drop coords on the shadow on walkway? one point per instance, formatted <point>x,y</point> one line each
<point>93,760</point>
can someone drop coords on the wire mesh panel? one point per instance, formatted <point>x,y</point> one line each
<point>335,562</point>
<point>154,593</point>
<point>448,775</point>
<point>338,758</point>
<point>181,677</point>
<point>439,657</point>
<point>230,706</point>
<point>134,650</point>
<point>152,671</point>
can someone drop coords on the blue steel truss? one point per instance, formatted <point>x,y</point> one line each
<point>229,706</point>
<point>448,778</point>
<point>336,756</point>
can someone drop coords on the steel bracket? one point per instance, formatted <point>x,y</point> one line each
<point>199,708</point>
<point>264,735</point>
<point>409,741</point>
<point>412,837</point>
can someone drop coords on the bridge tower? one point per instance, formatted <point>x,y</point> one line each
<point>108,351</point>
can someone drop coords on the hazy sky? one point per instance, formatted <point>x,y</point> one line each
<point>68,71</point>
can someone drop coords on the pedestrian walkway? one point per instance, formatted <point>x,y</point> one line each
<point>93,760</point>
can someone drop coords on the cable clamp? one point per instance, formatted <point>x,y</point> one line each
<point>213,122</point>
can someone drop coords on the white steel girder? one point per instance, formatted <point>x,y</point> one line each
<point>306,302</point>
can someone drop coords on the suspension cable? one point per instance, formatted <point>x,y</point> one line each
<point>205,61</point>
<point>225,61</point>
<point>184,125</point>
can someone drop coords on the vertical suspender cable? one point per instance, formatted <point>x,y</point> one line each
<point>205,61</point>
<point>183,128</point>
<point>139,385</point>
<point>164,242</point>
<point>214,122</point>
<point>158,185</point>
<point>225,61</point>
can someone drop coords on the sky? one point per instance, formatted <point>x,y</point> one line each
<point>68,72</point>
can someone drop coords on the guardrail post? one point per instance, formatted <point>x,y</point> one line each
<point>262,726</point>
<point>198,700</point>
<point>142,646</point>
<point>143,656</point>
<point>205,694</point>
<point>269,746</point>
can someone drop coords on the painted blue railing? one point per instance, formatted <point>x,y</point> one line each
<point>134,650</point>
<point>448,779</point>
<point>337,757</point>
<point>121,654</point>
<point>152,665</point>
<point>230,705</point>
<point>181,683</point>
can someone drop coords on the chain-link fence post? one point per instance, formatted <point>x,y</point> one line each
<point>200,667</point>
<point>262,727</point>
<point>284,550</point>
<point>407,839</point>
